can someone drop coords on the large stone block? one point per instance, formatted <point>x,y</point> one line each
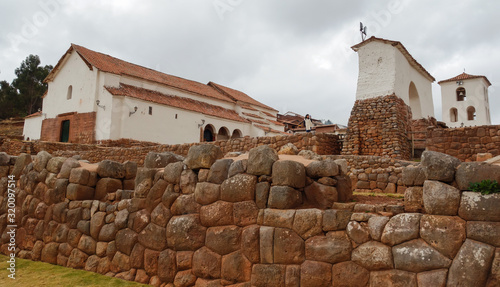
<point>494,278</point>
<point>108,232</point>
<point>376,225</point>
<point>444,233</point>
<point>79,175</point>
<point>418,256</point>
<point>284,197</point>
<point>67,166</point>
<point>401,228</point>
<point>53,165</point>
<point>79,192</point>
<point>414,199</point>
<point>109,168</point>
<point>308,222</point>
<point>471,265</point>
<point>321,196</point>
<point>245,213</point>
<point>207,264</point>
<point>87,244</point>
<point>105,186</point>
<point>206,193</point>
<point>239,166</point>
<point>266,238</point>
<point>261,160</point>
<point>483,231</point>
<point>202,156</point>
<point>153,237</point>
<point>188,181</point>
<point>333,248</point>
<point>439,166</point>
<point>279,218</point>
<point>219,170</point>
<point>172,172</point>
<point>236,268</point>
<point>413,176</point>
<point>336,219</point>
<point>217,214</point>
<point>160,215</point>
<point>344,188</point>
<point>469,172</point>
<point>223,239</point>
<point>358,232</point>
<point>160,160</point>
<point>393,278</point>
<point>49,253</point>
<point>289,247</point>
<point>440,198</point>
<point>185,204</point>
<point>477,207</point>
<point>167,267</point>
<point>185,233</point>
<point>268,275</point>
<point>240,187</point>
<point>373,256</point>
<point>323,168</point>
<point>126,240</point>
<point>39,162</point>
<point>250,239</point>
<point>315,274</point>
<point>349,274</point>
<point>289,173</point>
<point>77,259</point>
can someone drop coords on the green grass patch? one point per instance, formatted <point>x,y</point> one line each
<point>35,273</point>
<point>485,186</point>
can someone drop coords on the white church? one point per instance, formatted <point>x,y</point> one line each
<point>92,97</point>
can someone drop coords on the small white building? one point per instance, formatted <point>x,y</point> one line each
<point>386,68</point>
<point>93,97</point>
<point>465,101</point>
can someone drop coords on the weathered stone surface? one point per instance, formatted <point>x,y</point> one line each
<point>185,233</point>
<point>289,149</point>
<point>167,267</point>
<point>239,166</point>
<point>349,274</point>
<point>79,175</point>
<point>344,188</point>
<point>373,256</point>
<point>393,278</point>
<point>53,165</point>
<point>289,248</point>
<point>4,159</point>
<point>105,186</point>
<point>323,168</point>
<point>468,172</point>
<point>172,172</point>
<point>261,160</point>
<point>308,222</point>
<point>184,279</point>
<point>188,181</point>
<point>92,263</point>
<point>202,156</point>
<point>39,161</point>
<point>223,239</point>
<point>108,232</point>
<point>494,278</point>
<point>49,253</point>
<point>321,196</point>
<point>109,168</point>
<point>413,176</point>
<point>87,244</point>
<point>67,166</point>
<point>376,225</point>
<point>137,256</point>
<point>96,223</point>
<point>440,198</point>
<point>240,187</point>
<point>471,265</point>
<point>143,174</point>
<point>245,213</point>
<point>266,275</point>
<point>77,259</point>
<point>401,228</point>
<point>289,173</point>
<point>336,219</point>
<point>333,248</point>
<point>477,207</point>
<point>126,240</point>
<point>358,232</point>
<point>130,169</point>
<point>137,221</point>
<point>184,260</point>
<point>160,215</point>
<point>73,217</point>
<point>432,278</point>
<point>414,199</point>
<point>444,233</point>
<point>206,193</point>
<point>79,192</point>
<point>266,238</point>
<point>279,218</point>
<point>262,194</point>
<point>236,268</point>
<point>250,243</point>
<point>292,275</point>
<point>315,274</point>
<point>483,231</point>
<point>439,166</point>
<point>219,170</point>
<point>120,263</point>
<point>206,263</point>
<point>153,237</point>
<point>284,197</point>
<point>185,204</point>
<point>160,160</point>
<point>217,214</point>
<point>418,256</point>
<point>151,261</point>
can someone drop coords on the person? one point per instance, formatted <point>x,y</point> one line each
<point>308,123</point>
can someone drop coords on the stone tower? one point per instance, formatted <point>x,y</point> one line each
<point>465,101</point>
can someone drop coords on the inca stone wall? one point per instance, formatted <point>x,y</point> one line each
<point>128,150</point>
<point>209,221</point>
<point>464,143</point>
<point>380,127</point>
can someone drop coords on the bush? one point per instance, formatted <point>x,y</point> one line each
<point>485,187</point>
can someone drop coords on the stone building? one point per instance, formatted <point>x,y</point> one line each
<point>93,97</point>
<point>465,100</point>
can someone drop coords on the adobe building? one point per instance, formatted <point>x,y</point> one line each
<point>465,101</point>
<point>94,97</point>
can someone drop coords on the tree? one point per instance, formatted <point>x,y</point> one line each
<point>9,100</point>
<point>29,84</point>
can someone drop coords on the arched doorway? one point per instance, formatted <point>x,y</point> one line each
<point>453,115</point>
<point>223,134</point>
<point>415,106</point>
<point>209,134</point>
<point>236,134</point>
<point>471,113</point>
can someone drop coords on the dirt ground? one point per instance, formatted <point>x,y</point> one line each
<point>379,199</point>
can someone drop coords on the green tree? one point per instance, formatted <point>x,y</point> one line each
<point>29,84</point>
<point>9,100</point>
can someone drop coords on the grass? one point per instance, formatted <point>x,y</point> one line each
<point>31,273</point>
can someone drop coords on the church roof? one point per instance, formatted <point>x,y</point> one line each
<point>107,63</point>
<point>175,101</point>
<point>465,76</point>
<point>402,49</point>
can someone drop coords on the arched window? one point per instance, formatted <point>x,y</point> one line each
<point>461,94</point>
<point>70,93</point>
<point>453,115</point>
<point>209,134</point>
<point>236,134</point>
<point>471,113</point>
<point>223,134</point>
<point>415,106</point>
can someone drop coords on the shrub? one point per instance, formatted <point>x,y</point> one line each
<point>485,186</point>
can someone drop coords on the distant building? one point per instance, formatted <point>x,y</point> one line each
<point>295,123</point>
<point>93,96</point>
<point>465,100</point>
<point>386,68</point>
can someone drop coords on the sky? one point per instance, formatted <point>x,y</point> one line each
<point>292,55</point>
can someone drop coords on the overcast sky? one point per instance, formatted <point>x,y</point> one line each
<point>293,55</point>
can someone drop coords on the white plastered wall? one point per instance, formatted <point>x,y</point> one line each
<point>33,127</point>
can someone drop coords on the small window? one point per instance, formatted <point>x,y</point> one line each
<point>175,116</point>
<point>150,110</point>
<point>453,115</point>
<point>471,113</point>
<point>70,93</point>
<point>461,94</point>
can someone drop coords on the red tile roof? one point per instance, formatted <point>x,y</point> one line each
<point>34,115</point>
<point>252,115</point>
<point>268,114</point>
<point>258,122</point>
<point>276,122</point>
<point>465,76</point>
<point>248,107</point>
<point>402,49</point>
<point>175,101</point>
<point>238,96</point>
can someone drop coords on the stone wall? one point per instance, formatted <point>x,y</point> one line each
<point>258,222</point>
<point>130,150</point>
<point>380,127</point>
<point>464,143</point>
